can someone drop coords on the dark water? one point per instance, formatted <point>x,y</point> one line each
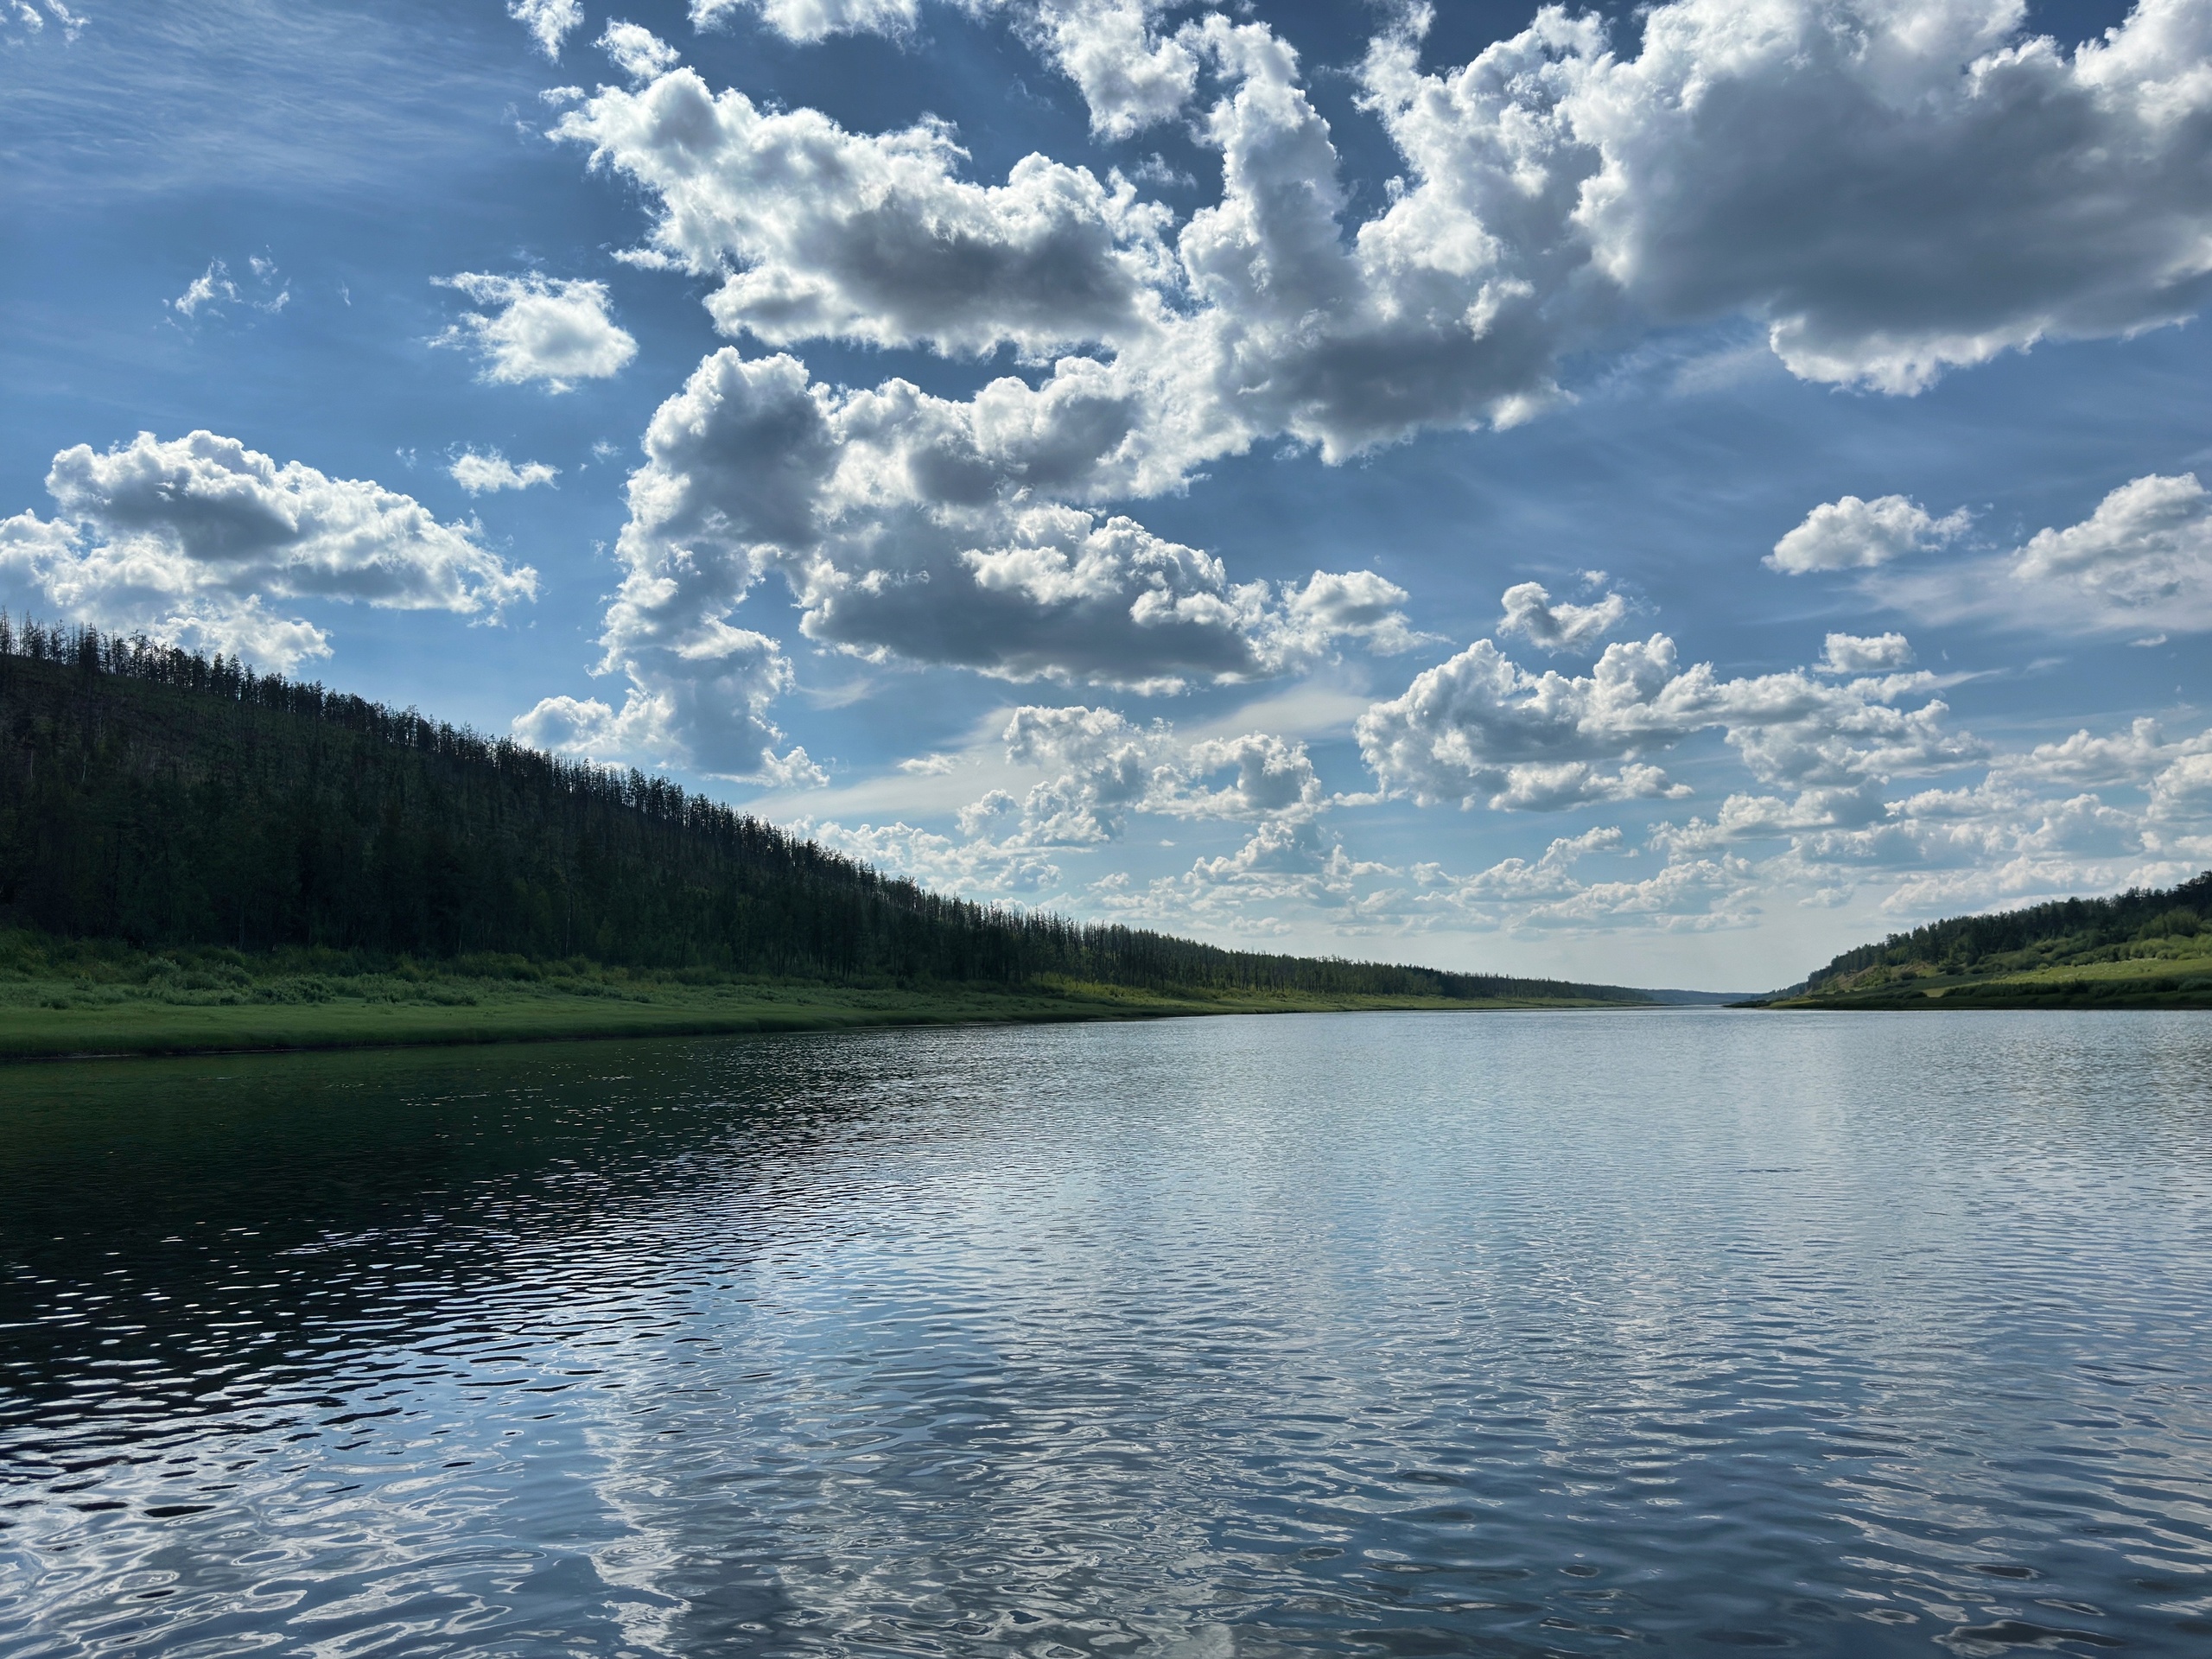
<point>1424,1334</point>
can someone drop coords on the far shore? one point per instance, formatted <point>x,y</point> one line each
<point>2137,982</point>
<point>270,1006</point>
<point>102,1022</point>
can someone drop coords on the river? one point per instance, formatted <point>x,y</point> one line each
<point>1491,1334</point>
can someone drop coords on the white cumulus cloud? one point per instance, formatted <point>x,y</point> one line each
<point>1862,653</point>
<point>187,539</point>
<point>1853,534</point>
<point>874,237</point>
<point>549,22</point>
<point>479,473</point>
<point>1559,625</point>
<point>1549,876</point>
<point>2145,554</point>
<point>1480,726</point>
<point>1101,765</point>
<point>554,331</point>
<point>1101,770</point>
<point>1132,74</point>
<point>2142,559</point>
<point>1552,190</point>
<point>1347,605</point>
<point>1887,192</point>
<point>809,20</point>
<point>699,701</point>
<point>905,526</point>
<point>1890,192</point>
<point>1098,770</point>
<point>966,868</point>
<point>2134,756</point>
<point>637,51</point>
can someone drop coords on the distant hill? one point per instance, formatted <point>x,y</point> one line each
<point>158,797</point>
<point>2141,948</point>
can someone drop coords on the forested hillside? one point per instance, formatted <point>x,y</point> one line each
<point>2140,945</point>
<point>160,797</point>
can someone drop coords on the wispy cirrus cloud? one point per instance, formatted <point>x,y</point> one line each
<point>213,290</point>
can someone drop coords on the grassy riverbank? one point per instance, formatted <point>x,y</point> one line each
<point>59,999</point>
<point>2141,949</point>
<point>2177,981</point>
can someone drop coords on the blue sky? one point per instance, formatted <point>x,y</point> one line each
<point>1656,496</point>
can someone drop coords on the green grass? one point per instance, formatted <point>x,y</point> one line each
<point>64,998</point>
<point>2177,975</point>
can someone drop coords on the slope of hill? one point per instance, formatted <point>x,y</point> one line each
<point>2139,948</point>
<point>168,803</point>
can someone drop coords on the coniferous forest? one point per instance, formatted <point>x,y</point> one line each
<point>1961,943</point>
<point>2148,947</point>
<point>161,797</point>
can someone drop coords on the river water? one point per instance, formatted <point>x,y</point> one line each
<point>1493,1334</point>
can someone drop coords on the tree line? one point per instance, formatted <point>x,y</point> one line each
<point>1957,944</point>
<point>159,795</point>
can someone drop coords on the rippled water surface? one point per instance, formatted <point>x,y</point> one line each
<point>1390,1334</point>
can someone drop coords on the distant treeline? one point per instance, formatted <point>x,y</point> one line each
<point>160,797</point>
<point>1957,945</point>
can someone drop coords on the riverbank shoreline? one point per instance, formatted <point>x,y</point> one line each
<point>2142,983</point>
<point>453,1013</point>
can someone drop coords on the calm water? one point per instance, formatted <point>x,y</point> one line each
<point>1386,1334</point>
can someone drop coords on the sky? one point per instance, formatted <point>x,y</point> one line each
<point>1653,494</point>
